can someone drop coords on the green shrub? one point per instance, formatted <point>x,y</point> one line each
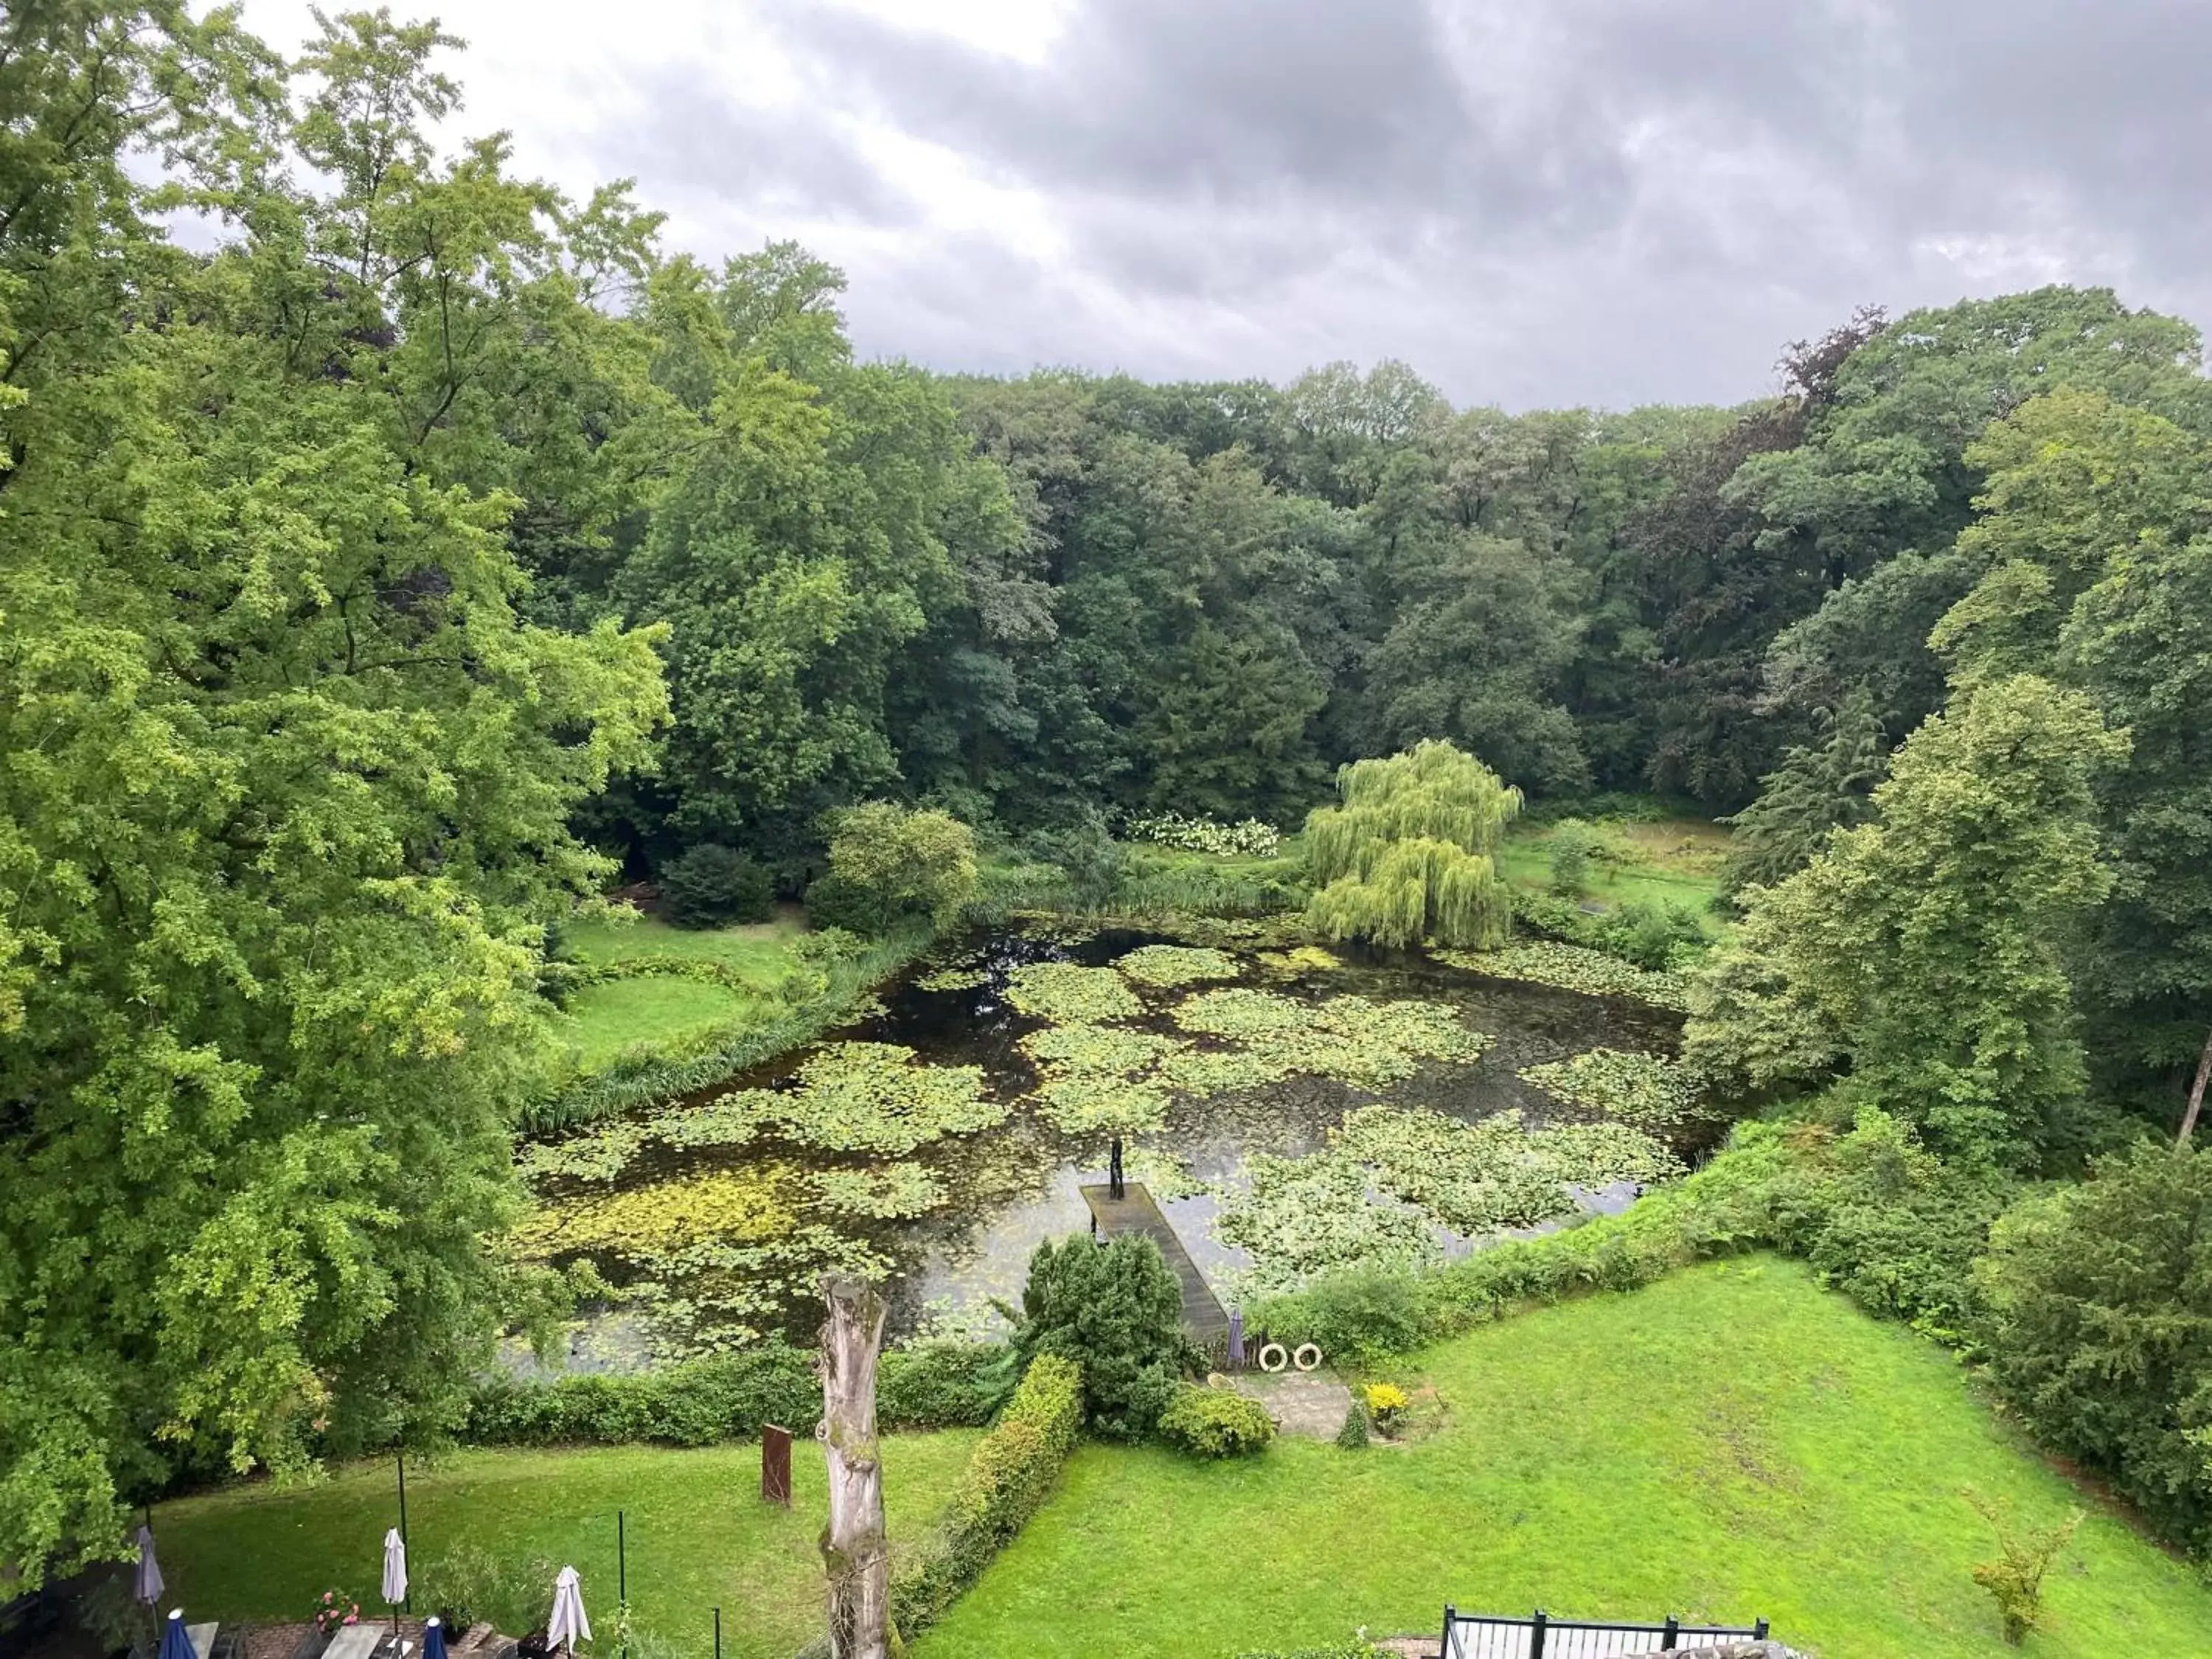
<point>2014,1578</point>
<point>1574,846</point>
<point>890,866</point>
<point>1090,862</point>
<point>1355,1431</point>
<point>1007,1479</point>
<point>927,1385</point>
<point>1359,1316</point>
<point>1216,1422</point>
<point>467,1585</point>
<point>711,887</point>
<point>1650,933</point>
<point>697,1403</point>
<point>2100,1333</point>
<point>1116,1310</point>
<point>943,1384</point>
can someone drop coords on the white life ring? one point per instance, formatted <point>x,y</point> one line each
<point>1300,1360</point>
<point>1281,1357</point>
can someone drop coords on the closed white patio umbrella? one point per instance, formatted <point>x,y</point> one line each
<point>395,1574</point>
<point>568,1624</point>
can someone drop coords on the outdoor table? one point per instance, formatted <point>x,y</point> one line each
<point>203,1637</point>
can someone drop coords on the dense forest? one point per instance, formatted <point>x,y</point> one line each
<point>394,551</point>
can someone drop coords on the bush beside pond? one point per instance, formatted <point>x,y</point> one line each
<point>927,1385</point>
<point>1216,1422</point>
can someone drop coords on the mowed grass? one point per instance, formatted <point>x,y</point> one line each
<point>657,1010</point>
<point>1673,860</point>
<point>699,1536</point>
<point>1732,1443</point>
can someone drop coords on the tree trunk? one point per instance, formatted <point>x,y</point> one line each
<point>853,1545</point>
<point>2196,1094</point>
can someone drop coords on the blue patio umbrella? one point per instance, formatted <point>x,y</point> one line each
<point>176,1643</point>
<point>434,1640</point>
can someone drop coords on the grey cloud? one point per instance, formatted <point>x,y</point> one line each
<point>685,133</point>
<point>1583,200</point>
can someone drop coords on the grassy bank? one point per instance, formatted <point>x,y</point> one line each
<point>1674,861</point>
<point>1730,1442</point>
<point>656,1035</point>
<point>699,1537</point>
<point>603,1021</point>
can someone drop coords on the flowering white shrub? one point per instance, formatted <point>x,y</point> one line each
<point>1249,838</point>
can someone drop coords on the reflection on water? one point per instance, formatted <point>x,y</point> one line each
<point>1009,1187</point>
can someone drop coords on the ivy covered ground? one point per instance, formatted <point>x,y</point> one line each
<point>1733,1441</point>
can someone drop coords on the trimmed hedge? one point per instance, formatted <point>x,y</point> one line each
<point>930,1385</point>
<point>1005,1481</point>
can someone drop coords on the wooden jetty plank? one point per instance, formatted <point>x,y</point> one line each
<point>1134,1211</point>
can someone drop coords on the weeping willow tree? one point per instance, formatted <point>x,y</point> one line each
<point>1406,857</point>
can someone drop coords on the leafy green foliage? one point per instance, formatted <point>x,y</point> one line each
<point>1005,1483</point>
<point>1928,947</point>
<point>1356,1431</point>
<point>2102,1333</point>
<point>891,867</point>
<point>1573,848</point>
<point>1406,856</point>
<point>1816,789</point>
<point>696,1403</point>
<point>1114,1310</point>
<point>1216,1422</point>
<point>2014,1578</point>
<point>289,772</point>
<point>1358,1316</point>
<point>711,887</point>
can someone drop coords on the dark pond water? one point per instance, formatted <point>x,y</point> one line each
<point>1015,1184</point>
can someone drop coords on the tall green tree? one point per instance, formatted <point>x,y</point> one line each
<point>1927,950</point>
<point>1407,855</point>
<point>284,778</point>
<point>2095,550</point>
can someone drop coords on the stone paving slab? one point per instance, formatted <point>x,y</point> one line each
<point>1311,1404</point>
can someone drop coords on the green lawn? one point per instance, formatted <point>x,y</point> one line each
<point>698,1533</point>
<point>602,1020</point>
<point>1731,1443</point>
<point>1674,860</point>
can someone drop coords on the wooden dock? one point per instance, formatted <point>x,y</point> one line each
<point>1135,1213</point>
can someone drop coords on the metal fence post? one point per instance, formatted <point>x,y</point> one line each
<point>1759,1630</point>
<point>1674,1629</point>
<point>1444,1647</point>
<point>1536,1628</point>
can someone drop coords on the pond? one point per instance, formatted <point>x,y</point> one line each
<point>1291,1109</point>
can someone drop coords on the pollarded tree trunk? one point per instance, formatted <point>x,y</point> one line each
<point>854,1549</point>
<point>2196,1094</point>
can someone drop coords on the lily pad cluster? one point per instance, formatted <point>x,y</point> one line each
<point>1646,1090</point>
<point>1166,967</point>
<point>1392,1178</point>
<point>1366,1044</point>
<point>1070,993</point>
<point>1103,1077</point>
<point>851,1096</point>
<point>1571,968</point>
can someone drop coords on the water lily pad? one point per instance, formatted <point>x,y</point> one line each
<point>885,1191</point>
<point>1571,968</point>
<point>1165,967</point>
<point>1643,1090</point>
<point>1066,991</point>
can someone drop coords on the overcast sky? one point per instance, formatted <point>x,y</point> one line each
<point>1534,201</point>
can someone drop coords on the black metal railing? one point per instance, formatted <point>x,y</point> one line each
<point>1542,1637</point>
